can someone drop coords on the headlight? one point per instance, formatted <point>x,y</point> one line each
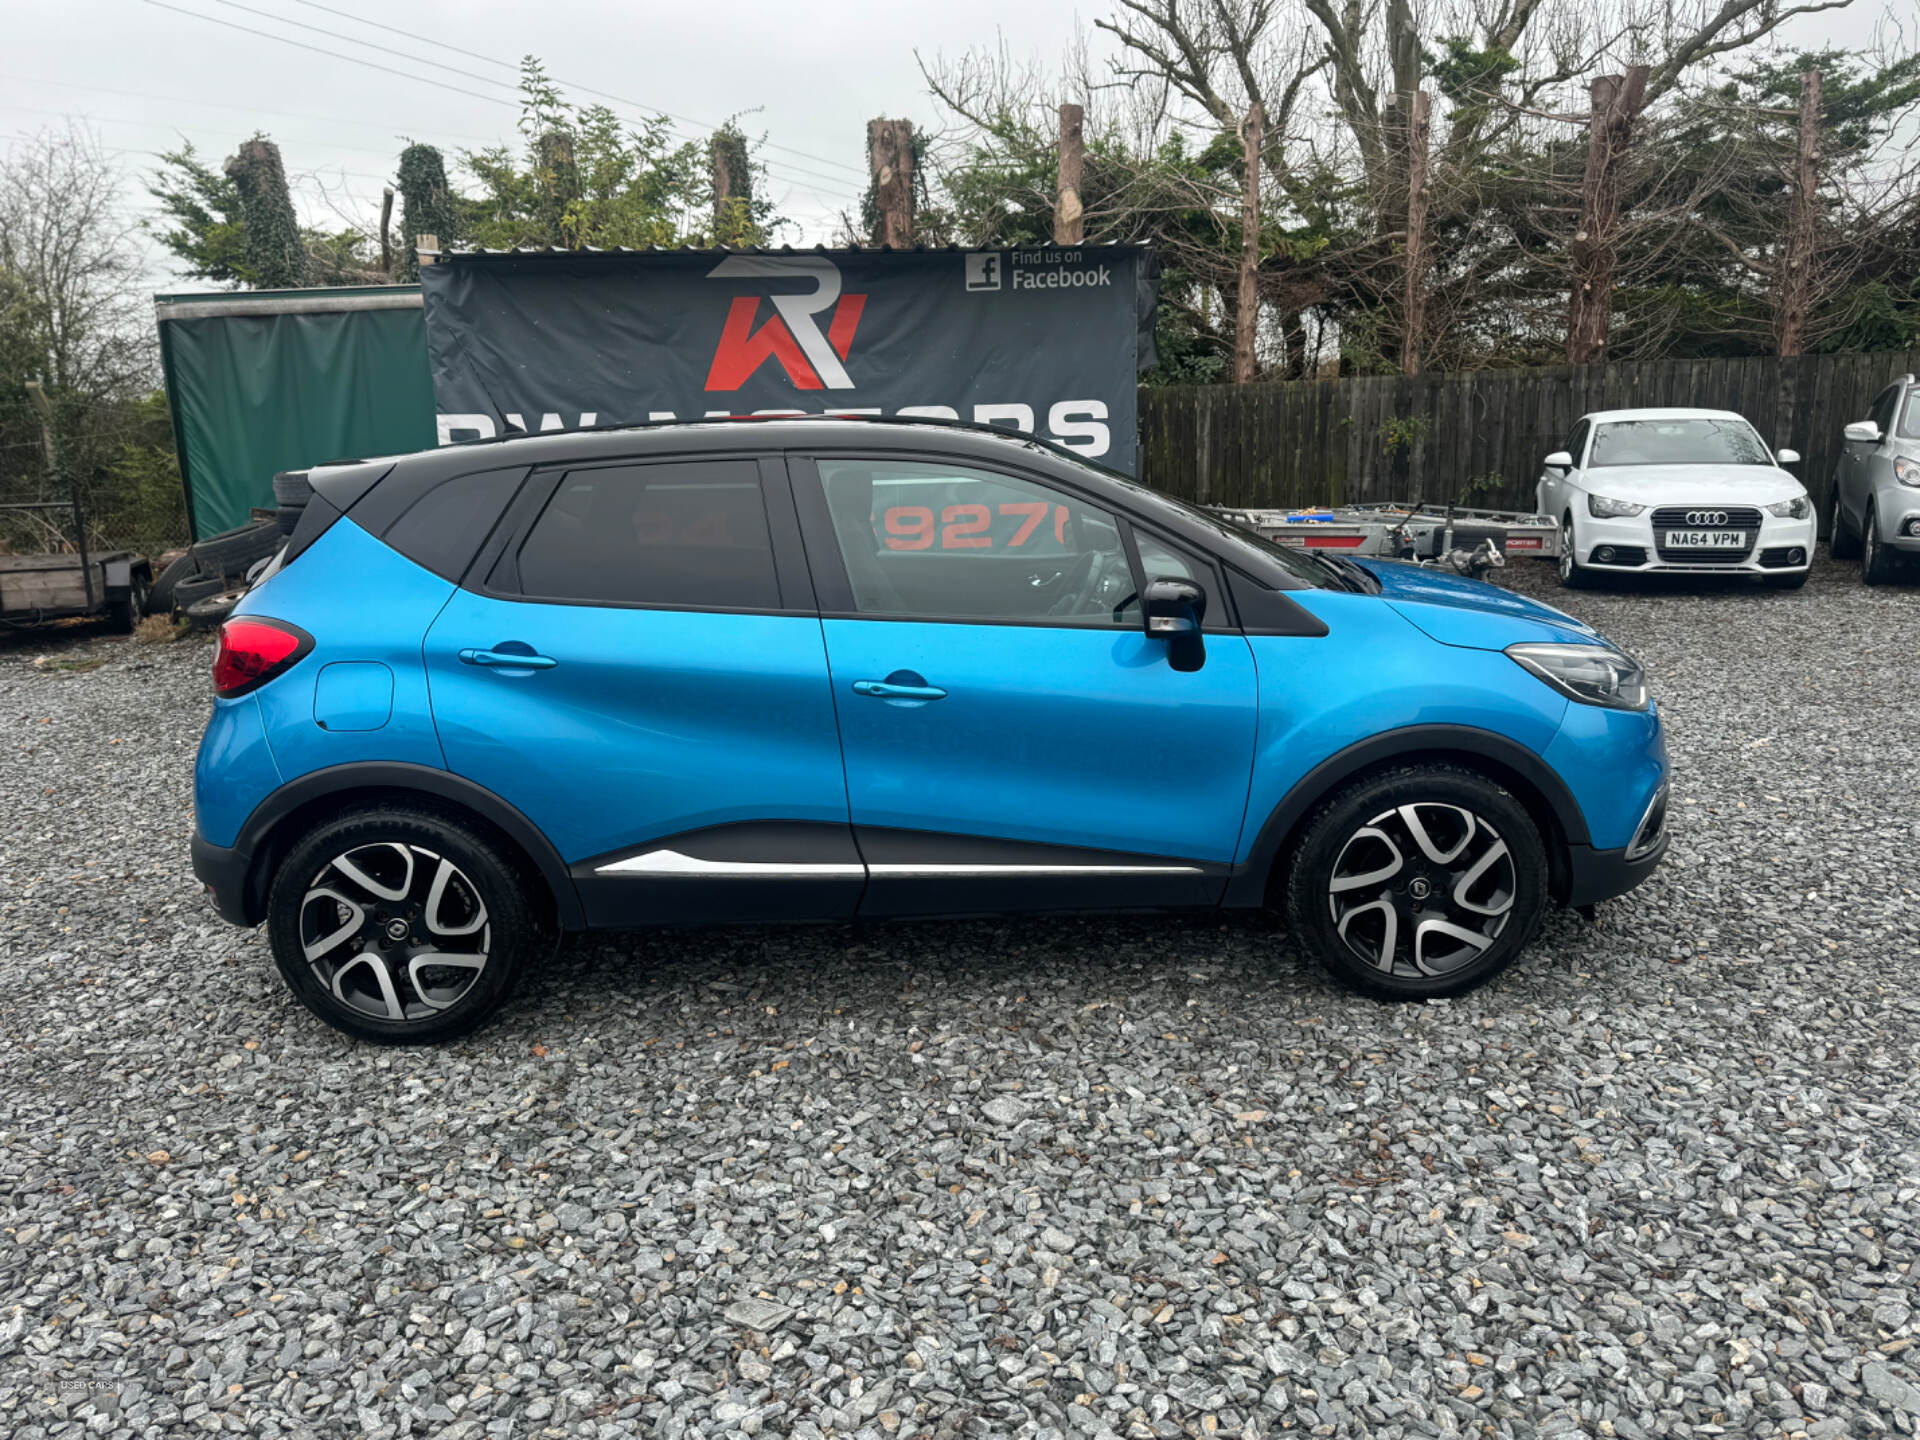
<point>1591,674</point>
<point>1605,509</point>
<point>1906,471</point>
<point>1798,508</point>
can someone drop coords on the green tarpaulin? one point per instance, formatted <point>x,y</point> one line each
<point>262,381</point>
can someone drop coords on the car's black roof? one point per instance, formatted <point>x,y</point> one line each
<point>402,479</point>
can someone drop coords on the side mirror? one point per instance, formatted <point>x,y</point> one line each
<point>1787,457</point>
<point>1864,430</point>
<point>1559,460</point>
<point>1173,610</point>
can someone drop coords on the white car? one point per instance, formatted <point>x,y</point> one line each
<point>1656,491</point>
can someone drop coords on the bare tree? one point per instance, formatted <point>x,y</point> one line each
<point>75,258</point>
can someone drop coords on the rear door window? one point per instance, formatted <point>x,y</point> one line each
<point>687,535</point>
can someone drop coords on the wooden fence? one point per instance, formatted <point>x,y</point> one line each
<point>1478,438</point>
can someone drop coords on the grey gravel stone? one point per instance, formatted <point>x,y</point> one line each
<point>758,1314</point>
<point>1065,1177</point>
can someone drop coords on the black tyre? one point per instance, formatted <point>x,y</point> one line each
<point>232,552</point>
<point>402,925</point>
<point>128,611</point>
<point>188,593</point>
<point>1573,575</point>
<point>206,614</point>
<point>1845,544</point>
<point>1876,561</point>
<point>290,487</point>
<point>160,597</point>
<point>1421,881</point>
<point>287,517</point>
<point>1795,581</point>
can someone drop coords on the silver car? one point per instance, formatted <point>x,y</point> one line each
<point>1876,485</point>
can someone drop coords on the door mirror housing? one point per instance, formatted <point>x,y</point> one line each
<point>1864,430</point>
<point>1173,610</point>
<point>1787,457</point>
<point>1559,460</point>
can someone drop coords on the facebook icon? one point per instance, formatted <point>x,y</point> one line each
<point>983,270</point>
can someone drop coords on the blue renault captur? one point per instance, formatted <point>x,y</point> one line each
<point>792,670</point>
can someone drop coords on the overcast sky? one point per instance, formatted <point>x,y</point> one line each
<point>148,73</point>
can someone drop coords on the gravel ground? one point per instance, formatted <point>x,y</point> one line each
<point>1141,1177</point>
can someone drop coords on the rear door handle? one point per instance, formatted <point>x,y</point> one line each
<point>887,690</point>
<point>507,660</point>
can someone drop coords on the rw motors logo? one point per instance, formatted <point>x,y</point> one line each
<point>791,335</point>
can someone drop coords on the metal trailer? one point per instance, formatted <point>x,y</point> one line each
<point>35,588</point>
<point>1403,530</point>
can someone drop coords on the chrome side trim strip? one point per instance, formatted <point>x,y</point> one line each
<point>672,862</point>
<point>949,872</point>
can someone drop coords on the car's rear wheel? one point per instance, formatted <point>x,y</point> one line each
<point>1418,882</point>
<point>401,925</point>
<point>1573,575</point>
<point>1876,561</point>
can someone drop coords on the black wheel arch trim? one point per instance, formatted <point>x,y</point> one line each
<point>257,839</point>
<point>1437,742</point>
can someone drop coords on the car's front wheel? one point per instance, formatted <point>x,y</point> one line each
<point>401,925</point>
<point>1573,575</point>
<point>1418,882</point>
<point>1876,561</point>
<point>1844,544</point>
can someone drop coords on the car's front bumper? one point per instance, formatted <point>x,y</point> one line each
<point>1899,517</point>
<point>1630,539</point>
<point>1596,875</point>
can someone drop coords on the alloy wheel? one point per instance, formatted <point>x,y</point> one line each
<point>396,932</point>
<point>1566,551</point>
<point>1422,889</point>
<point>1870,547</point>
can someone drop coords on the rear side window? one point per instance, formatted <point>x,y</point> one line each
<point>444,527</point>
<point>689,535</point>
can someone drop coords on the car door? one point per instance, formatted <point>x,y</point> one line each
<point>1013,739</point>
<point>635,663</point>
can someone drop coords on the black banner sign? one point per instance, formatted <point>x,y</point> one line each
<point>1049,341</point>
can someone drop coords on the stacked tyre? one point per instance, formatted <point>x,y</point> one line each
<point>291,493</point>
<point>214,570</point>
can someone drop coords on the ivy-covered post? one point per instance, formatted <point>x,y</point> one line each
<point>733,222</point>
<point>276,251</point>
<point>426,204</point>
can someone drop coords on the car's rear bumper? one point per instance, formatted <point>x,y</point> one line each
<point>224,873</point>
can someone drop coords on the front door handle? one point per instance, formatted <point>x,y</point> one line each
<point>507,660</point>
<point>888,690</point>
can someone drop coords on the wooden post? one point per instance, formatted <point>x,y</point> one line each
<point>427,247</point>
<point>1247,318</point>
<point>1616,102</point>
<point>1414,311</point>
<point>1796,270</point>
<point>1069,219</point>
<point>386,230</point>
<point>890,154</point>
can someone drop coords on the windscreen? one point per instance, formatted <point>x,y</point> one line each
<point>1677,442</point>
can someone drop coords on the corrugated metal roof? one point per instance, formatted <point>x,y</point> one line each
<point>719,251</point>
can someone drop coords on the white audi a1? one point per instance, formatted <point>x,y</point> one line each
<point>1657,491</point>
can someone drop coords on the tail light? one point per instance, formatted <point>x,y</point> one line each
<point>253,650</point>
